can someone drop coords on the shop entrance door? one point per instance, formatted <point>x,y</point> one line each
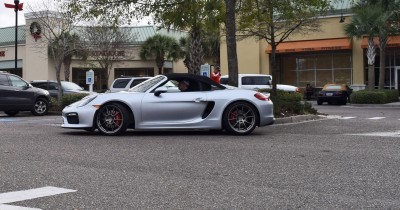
<point>397,78</point>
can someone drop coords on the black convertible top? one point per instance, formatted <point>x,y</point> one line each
<point>193,77</point>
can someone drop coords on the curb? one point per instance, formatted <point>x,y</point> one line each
<point>298,118</point>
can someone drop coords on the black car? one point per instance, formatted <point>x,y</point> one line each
<point>18,95</point>
<point>52,87</point>
<point>334,94</point>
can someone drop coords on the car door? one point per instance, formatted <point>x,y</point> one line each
<point>172,109</point>
<point>18,95</point>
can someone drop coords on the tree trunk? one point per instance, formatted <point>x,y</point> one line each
<point>58,64</point>
<point>230,24</point>
<point>67,65</point>
<point>196,52</point>
<point>371,62</point>
<point>382,51</point>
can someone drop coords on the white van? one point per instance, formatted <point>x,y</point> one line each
<point>258,81</point>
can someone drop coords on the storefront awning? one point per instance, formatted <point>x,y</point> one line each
<point>312,45</point>
<point>393,41</point>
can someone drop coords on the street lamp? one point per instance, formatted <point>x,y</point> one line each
<point>17,7</point>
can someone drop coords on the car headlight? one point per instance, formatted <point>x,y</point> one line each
<point>85,100</point>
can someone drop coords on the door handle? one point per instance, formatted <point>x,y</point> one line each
<point>198,99</point>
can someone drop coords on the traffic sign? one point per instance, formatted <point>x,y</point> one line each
<point>90,77</point>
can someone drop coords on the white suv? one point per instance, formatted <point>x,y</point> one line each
<point>258,81</point>
<point>126,83</point>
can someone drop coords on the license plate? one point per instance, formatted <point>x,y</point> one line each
<point>329,94</point>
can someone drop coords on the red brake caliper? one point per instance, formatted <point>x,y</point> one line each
<point>232,117</point>
<point>118,118</point>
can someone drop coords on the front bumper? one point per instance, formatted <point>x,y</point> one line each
<point>78,117</point>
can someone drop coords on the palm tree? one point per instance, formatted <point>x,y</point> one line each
<point>160,47</point>
<point>366,21</point>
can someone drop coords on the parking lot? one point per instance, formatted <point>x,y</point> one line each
<point>348,159</point>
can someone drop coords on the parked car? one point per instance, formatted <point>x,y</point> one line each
<point>334,94</point>
<point>155,105</point>
<point>258,81</point>
<point>18,95</point>
<point>126,83</point>
<point>52,87</point>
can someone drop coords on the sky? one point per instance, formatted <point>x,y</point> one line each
<point>7,15</point>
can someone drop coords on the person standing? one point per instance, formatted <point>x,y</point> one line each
<point>216,75</point>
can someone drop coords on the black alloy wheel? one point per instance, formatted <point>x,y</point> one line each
<point>112,119</point>
<point>240,118</point>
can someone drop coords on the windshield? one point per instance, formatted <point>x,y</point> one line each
<point>70,86</point>
<point>146,85</point>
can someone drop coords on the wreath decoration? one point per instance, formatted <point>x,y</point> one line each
<point>35,30</point>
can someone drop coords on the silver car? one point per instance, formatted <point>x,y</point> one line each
<point>158,104</point>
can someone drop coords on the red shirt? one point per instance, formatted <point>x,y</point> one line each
<point>215,77</point>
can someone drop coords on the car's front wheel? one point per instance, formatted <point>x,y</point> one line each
<point>240,118</point>
<point>41,107</point>
<point>11,113</point>
<point>112,119</point>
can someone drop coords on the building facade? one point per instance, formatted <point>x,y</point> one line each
<point>318,58</point>
<point>33,62</point>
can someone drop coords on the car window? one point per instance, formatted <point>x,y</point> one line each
<point>42,85</point>
<point>223,81</point>
<point>137,81</point>
<point>256,80</point>
<point>53,86</point>
<point>121,83</point>
<point>17,82</point>
<point>4,80</point>
<point>70,86</point>
<point>146,85</point>
<point>333,87</point>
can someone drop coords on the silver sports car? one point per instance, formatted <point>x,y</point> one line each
<point>160,103</point>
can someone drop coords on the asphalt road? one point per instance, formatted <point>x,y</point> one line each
<point>347,160</point>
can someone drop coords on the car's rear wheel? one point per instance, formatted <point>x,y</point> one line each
<point>240,118</point>
<point>41,107</point>
<point>112,119</point>
<point>11,113</point>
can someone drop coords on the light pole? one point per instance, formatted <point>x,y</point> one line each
<point>17,6</point>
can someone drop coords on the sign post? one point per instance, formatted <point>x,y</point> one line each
<point>205,70</point>
<point>90,80</point>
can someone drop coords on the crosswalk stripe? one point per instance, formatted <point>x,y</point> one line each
<point>376,118</point>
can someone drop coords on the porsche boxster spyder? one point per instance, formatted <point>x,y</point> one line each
<point>159,104</point>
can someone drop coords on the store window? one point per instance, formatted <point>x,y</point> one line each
<point>133,72</point>
<point>316,69</point>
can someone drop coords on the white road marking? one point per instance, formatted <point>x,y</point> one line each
<point>9,207</point>
<point>346,118</point>
<point>376,118</point>
<point>382,134</point>
<point>11,197</point>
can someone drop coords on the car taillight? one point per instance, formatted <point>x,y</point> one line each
<point>298,90</point>
<point>339,93</point>
<point>320,94</point>
<point>261,97</point>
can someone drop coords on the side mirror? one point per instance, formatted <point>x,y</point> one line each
<point>160,90</point>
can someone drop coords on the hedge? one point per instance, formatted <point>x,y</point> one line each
<point>374,96</point>
<point>72,98</point>
<point>288,104</point>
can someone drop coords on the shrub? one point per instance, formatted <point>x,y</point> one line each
<point>72,98</point>
<point>391,95</point>
<point>288,104</point>
<point>368,97</point>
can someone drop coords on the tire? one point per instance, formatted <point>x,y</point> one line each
<point>41,107</point>
<point>112,119</point>
<point>319,102</point>
<point>240,118</point>
<point>11,113</point>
